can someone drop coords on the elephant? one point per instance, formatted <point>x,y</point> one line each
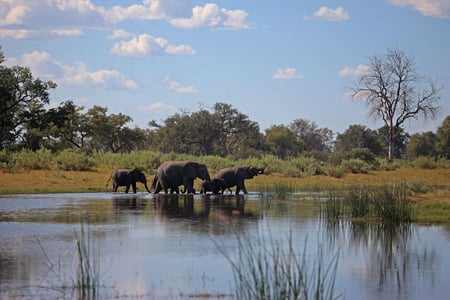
<point>172,174</point>
<point>126,178</point>
<point>235,177</point>
<point>216,185</point>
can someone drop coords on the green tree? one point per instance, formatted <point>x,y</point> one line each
<point>401,140</point>
<point>108,132</point>
<point>281,141</point>
<point>392,89</point>
<point>422,144</point>
<point>443,139</point>
<point>359,136</point>
<point>310,136</point>
<point>22,99</point>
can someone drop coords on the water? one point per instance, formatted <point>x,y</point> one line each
<point>154,247</point>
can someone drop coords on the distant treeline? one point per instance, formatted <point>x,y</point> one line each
<point>27,124</point>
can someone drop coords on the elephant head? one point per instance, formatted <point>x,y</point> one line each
<point>248,172</point>
<point>208,186</point>
<point>236,176</point>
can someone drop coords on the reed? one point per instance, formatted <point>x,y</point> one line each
<point>88,277</point>
<point>388,203</point>
<point>276,270</point>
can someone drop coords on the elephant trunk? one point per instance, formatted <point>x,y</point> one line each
<point>145,184</point>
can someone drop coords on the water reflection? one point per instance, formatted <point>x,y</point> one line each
<point>163,245</point>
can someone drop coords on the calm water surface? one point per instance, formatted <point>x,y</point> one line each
<point>153,247</point>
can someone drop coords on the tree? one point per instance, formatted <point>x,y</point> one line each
<point>281,141</point>
<point>108,132</point>
<point>401,140</point>
<point>422,144</point>
<point>359,136</point>
<point>394,92</point>
<point>22,99</point>
<point>310,136</point>
<point>443,139</point>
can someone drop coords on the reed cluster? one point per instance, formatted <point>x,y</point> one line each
<point>388,203</point>
<point>271,269</point>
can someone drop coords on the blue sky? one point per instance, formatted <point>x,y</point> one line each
<point>275,61</point>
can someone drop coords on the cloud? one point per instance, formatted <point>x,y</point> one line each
<point>21,19</point>
<point>286,73</point>
<point>349,71</point>
<point>119,34</point>
<point>338,14</point>
<point>177,87</point>
<point>212,16</point>
<point>42,65</point>
<point>159,107</point>
<point>147,45</point>
<point>429,8</point>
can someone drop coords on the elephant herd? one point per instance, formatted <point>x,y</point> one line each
<point>170,175</point>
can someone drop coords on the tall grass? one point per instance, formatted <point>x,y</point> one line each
<point>278,190</point>
<point>276,270</point>
<point>388,203</point>
<point>88,277</point>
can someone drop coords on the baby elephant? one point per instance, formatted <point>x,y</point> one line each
<point>216,186</point>
<point>127,178</point>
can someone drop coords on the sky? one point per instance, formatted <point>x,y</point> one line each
<point>275,61</point>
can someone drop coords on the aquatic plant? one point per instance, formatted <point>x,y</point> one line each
<point>271,269</point>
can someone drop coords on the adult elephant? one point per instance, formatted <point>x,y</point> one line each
<point>127,178</point>
<point>236,176</point>
<point>172,174</point>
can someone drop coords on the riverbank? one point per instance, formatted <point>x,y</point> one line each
<point>430,187</point>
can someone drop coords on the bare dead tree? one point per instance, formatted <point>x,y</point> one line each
<point>395,92</point>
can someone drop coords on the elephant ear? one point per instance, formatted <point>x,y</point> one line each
<point>189,169</point>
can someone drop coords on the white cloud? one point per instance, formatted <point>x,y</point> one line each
<point>349,71</point>
<point>160,107</point>
<point>119,34</point>
<point>212,16</point>
<point>42,65</point>
<point>338,14</point>
<point>147,45</point>
<point>429,8</point>
<point>286,73</point>
<point>177,87</point>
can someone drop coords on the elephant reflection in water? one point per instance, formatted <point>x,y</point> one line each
<point>227,207</point>
<point>169,205</point>
<point>129,203</point>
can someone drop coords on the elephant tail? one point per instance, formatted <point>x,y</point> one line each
<point>107,182</point>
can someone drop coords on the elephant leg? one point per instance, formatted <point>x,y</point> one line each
<point>134,187</point>
<point>158,188</point>
<point>127,188</point>
<point>114,189</point>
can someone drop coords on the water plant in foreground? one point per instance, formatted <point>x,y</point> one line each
<point>274,269</point>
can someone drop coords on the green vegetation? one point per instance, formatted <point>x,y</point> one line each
<point>271,269</point>
<point>388,203</point>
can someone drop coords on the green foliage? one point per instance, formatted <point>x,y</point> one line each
<point>356,166</point>
<point>388,203</point>
<point>71,160</point>
<point>31,160</point>
<point>425,162</point>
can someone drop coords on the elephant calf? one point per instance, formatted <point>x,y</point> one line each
<point>236,176</point>
<point>127,178</point>
<point>216,185</point>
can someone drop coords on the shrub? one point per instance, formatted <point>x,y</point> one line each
<point>355,166</point>
<point>70,160</point>
<point>27,159</point>
<point>425,162</point>
<point>337,172</point>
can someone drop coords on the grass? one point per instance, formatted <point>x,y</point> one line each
<point>269,269</point>
<point>388,203</point>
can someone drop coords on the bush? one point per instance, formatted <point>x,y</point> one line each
<point>425,162</point>
<point>355,166</point>
<point>70,160</point>
<point>27,159</point>
<point>337,172</point>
